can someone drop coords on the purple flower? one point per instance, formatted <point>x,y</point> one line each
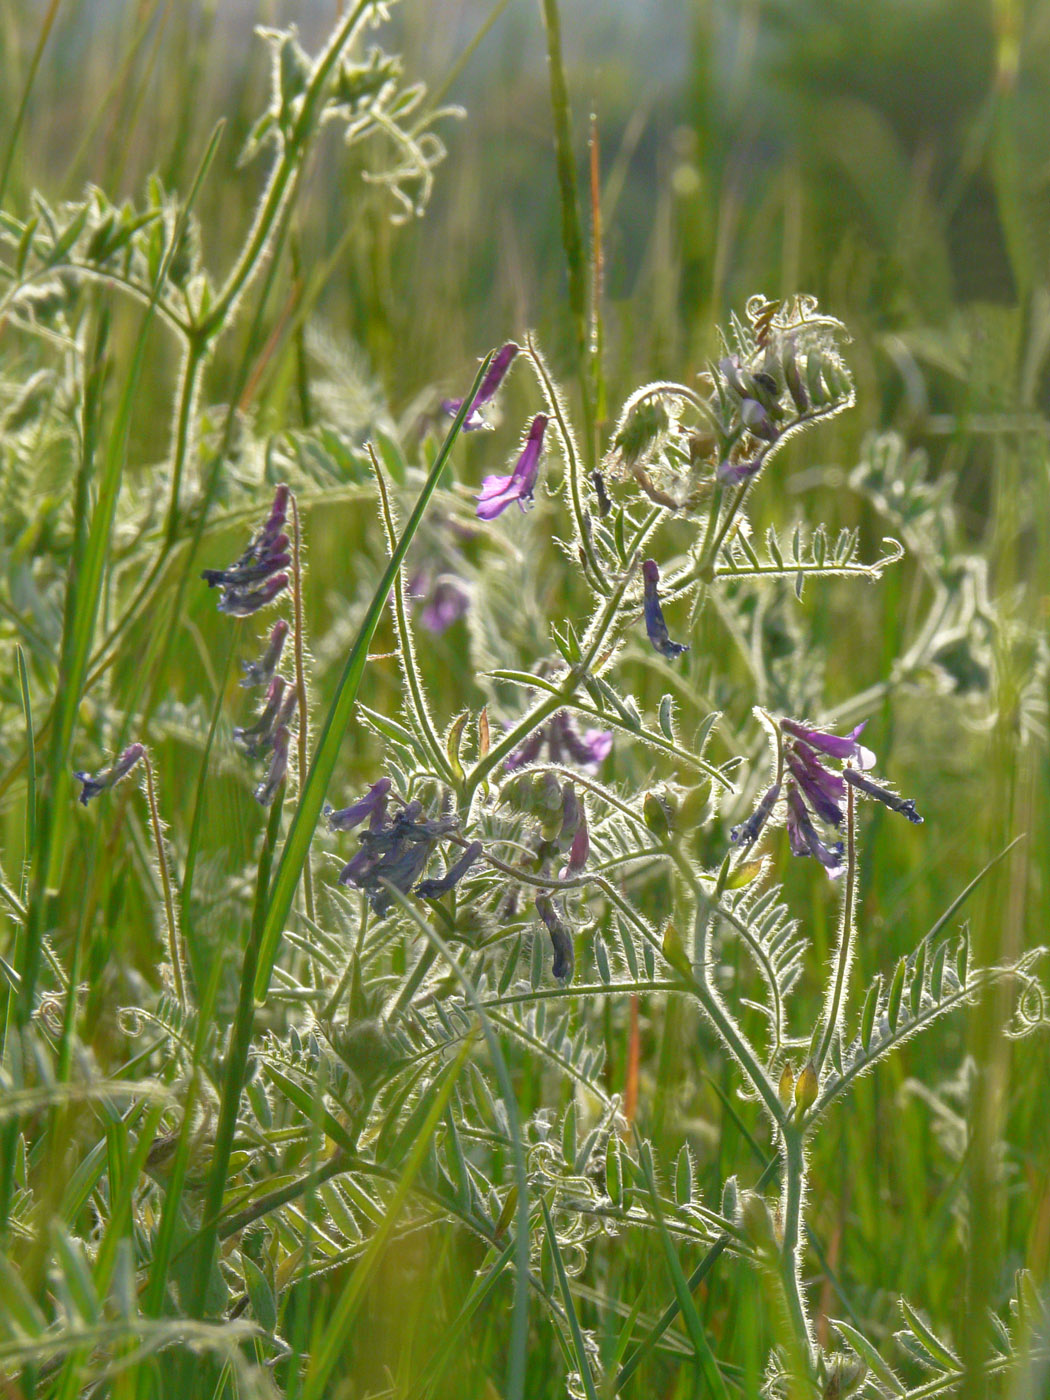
<point>655,626</point>
<point>494,377</point>
<point>824,790</point>
<point>834,745</point>
<point>372,805</point>
<point>395,853</point>
<point>431,889</point>
<point>260,564</point>
<point>261,672</point>
<point>904,805</point>
<point>445,599</point>
<point>814,788</point>
<point>267,789</point>
<point>731,473</point>
<point>94,783</point>
<point>574,835</point>
<point>561,938</point>
<point>497,492</point>
<point>564,743</point>
<point>803,836</point>
<point>748,832</point>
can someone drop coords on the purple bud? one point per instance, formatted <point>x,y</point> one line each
<point>239,604</point>
<point>109,777</point>
<point>372,805</point>
<point>430,889</point>
<point>494,377</point>
<point>904,805</point>
<point>497,492</point>
<point>561,939</point>
<point>252,735</point>
<point>655,626</point>
<point>804,839</point>
<point>732,473</point>
<point>757,421</point>
<point>748,832</point>
<point>823,789</point>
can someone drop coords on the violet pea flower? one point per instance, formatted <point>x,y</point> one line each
<point>498,492</point>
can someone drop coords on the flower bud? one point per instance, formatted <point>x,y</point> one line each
<point>807,1087</point>
<point>786,1087</point>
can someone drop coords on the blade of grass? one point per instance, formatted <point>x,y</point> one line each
<point>582,1364</point>
<point>20,115</point>
<point>693,1322</point>
<point>315,785</point>
<point>333,1338</point>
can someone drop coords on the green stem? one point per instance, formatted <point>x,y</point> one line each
<point>278,188</point>
<point>236,1064</point>
<point>174,951</point>
<point>847,937</point>
<point>189,387</point>
<point>572,236</point>
<point>303,737</point>
<point>794,1179</point>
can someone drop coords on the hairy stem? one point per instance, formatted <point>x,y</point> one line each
<point>174,951</point>
<point>303,737</point>
<point>847,937</point>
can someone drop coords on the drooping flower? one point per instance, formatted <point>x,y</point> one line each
<point>804,838</point>
<point>257,577</point>
<point>394,853</point>
<point>904,805</point>
<point>748,832</point>
<point>261,672</point>
<point>655,626</point>
<point>431,889</point>
<point>498,492</point>
<point>94,783</point>
<point>494,377</point>
<point>561,938</point>
<point>372,805</point>
<point>563,743</point>
<point>257,739</point>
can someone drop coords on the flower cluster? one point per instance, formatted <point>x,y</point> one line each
<point>258,576</point>
<point>394,850</point>
<point>94,783</point>
<point>562,819</point>
<point>262,563</point>
<point>563,743</point>
<point>814,792</point>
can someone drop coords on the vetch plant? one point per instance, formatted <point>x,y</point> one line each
<point>432,1032</point>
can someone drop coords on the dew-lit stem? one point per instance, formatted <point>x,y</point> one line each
<point>303,737</point>
<point>550,393</point>
<point>844,953</point>
<point>174,951</point>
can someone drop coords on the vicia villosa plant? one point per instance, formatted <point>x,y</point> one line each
<point>536,779</point>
